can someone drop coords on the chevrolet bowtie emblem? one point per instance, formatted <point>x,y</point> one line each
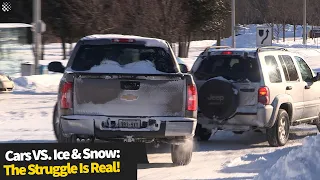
<point>129,97</point>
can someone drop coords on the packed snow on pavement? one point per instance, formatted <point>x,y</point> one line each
<point>27,117</point>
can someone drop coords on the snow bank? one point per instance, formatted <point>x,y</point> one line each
<point>300,163</point>
<point>37,84</point>
<point>140,67</point>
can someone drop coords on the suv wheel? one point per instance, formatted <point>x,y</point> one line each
<point>278,134</point>
<point>181,154</point>
<point>202,134</point>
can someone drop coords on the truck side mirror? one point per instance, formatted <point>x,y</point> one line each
<point>56,67</point>
<point>183,68</point>
<point>317,77</point>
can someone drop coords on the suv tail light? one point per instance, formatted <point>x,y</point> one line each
<point>192,98</point>
<point>66,95</point>
<point>264,95</point>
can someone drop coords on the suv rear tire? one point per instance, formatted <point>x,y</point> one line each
<point>278,134</point>
<point>202,134</point>
<point>181,154</point>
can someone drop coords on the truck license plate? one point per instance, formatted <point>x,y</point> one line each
<point>129,123</point>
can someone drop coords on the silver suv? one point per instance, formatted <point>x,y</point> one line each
<point>267,88</point>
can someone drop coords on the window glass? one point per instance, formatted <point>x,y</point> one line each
<point>273,69</point>
<point>288,64</point>
<point>89,56</point>
<point>231,67</point>
<point>305,70</point>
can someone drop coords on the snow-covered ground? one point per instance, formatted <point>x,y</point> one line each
<point>27,117</point>
<point>300,163</point>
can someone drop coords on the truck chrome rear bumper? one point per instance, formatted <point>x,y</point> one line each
<point>106,127</point>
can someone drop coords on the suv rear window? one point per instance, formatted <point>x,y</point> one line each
<point>235,68</point>
<point>89,56</point>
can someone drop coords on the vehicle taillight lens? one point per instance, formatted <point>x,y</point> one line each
<point>192,98</point>
<point>264,95</point>
<point>123,40</point>
<point>66,95</point>
<point>226,53</point>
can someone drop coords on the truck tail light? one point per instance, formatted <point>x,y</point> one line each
<point>264,95</point>
<point>123,40</point>
<point>226,53</point>
<point>192,98</point>
<point>66,95</point>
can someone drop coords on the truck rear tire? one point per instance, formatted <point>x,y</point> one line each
<point>181,154</point>
<point>58,131</point>
<point>278,134</point>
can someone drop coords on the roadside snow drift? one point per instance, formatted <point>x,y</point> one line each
<point>37,84</point>
<point>300,163</point>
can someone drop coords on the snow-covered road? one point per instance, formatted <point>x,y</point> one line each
<point>225,156</point>
<point>27,118</point>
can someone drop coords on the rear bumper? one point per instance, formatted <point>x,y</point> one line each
<point>157,127</point>
<point>262,118</point>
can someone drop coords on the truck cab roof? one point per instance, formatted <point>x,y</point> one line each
<point>119,38</point>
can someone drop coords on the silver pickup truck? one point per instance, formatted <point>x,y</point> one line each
<point>126,88</point>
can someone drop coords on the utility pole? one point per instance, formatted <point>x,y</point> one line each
<point>304,22</point>
<point>37,33</point>
<point>233,22</point>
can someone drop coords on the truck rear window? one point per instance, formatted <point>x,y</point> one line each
<point>235,68</point>
<point>122,55</point>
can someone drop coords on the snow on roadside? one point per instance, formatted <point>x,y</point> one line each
<point>300,163</point>
<point>37,84</point>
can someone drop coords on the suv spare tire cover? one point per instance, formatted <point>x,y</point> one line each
<point>217,99</point>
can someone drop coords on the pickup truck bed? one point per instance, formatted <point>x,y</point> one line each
<point>126,88</point>
<point>145,107</point>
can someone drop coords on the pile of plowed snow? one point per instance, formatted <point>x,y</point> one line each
<point>300,163</point>
<point>37,84</point>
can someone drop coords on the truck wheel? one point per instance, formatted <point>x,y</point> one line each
<point>202,134</point>
<point>278,134</point>
<point>182,154</point>
<point>58,131</point>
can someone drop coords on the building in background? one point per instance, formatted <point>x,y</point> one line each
<point>15,46</point>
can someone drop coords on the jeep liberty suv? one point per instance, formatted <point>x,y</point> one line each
<point>268,88</point>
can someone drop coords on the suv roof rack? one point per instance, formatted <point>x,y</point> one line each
<point>271,48</point>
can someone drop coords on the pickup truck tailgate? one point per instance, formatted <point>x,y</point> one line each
<point>130,97</point>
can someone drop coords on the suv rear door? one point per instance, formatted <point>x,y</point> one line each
<point>244,72</point>
<point>273,77</point>
<point>294,84</point>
